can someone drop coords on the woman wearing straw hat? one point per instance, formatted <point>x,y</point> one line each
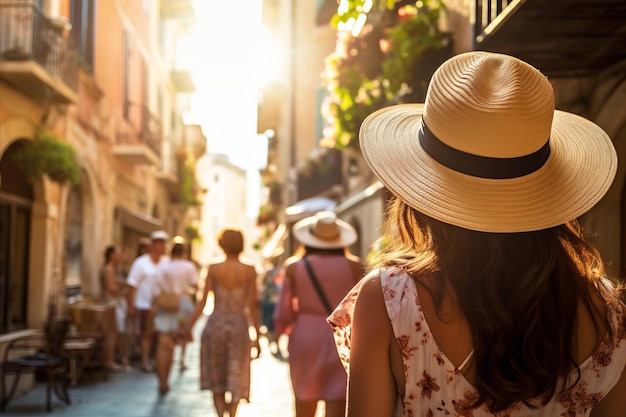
<point>487,300</point>
<point>316,280</point>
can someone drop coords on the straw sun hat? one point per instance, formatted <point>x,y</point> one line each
<point>487,151</point>
<point>324,231</point>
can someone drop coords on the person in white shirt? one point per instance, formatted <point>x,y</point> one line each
<point>178,276</point>
<point>143,272</point>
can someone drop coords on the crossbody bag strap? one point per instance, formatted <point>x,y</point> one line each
<point>316,284</point>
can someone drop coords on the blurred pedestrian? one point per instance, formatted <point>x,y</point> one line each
<point>315,281</point>
<point>225,345</point>
<point>143,246</point>
<point>177,276</point>
<point>114,292</point>
<point>486,299</point>
<point>143,272</point>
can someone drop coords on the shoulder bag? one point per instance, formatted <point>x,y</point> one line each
<point>316,284</point>
<point>167,301</point>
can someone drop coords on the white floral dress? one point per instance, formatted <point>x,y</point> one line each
<point>435,387</point>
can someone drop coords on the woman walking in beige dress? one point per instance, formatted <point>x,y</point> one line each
<point>225,343</point>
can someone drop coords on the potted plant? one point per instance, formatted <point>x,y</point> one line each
<point>49,155</point>
<point>188,184</point>
<point>192,233</point>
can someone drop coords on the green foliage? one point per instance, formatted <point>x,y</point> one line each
<point>188,184</point>
<point>266,215</point>
<point>389,61</point>
<point>48,155</point>
<point>192,233</point>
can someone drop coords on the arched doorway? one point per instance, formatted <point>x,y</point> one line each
<point>74,241</point>
<point>82,244</point>
<point>16,200</point>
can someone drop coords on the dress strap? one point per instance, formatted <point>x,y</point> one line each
<point>465,362</point>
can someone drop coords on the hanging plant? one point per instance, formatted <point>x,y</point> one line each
<point>388,60</point>
<point>193,233</point>
<point>48,155</point>
<point>266,215</point>
<point>188,184</point>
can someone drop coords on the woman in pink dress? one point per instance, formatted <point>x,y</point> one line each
<point>308,295</point>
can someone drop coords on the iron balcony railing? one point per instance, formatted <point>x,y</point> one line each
<point>488,11</point>
<point>27,34</point>
<point>318,175</point>
<point>140,127</point>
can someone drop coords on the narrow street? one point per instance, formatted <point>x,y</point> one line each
<point>134,394</point>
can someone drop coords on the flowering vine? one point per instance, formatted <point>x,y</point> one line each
<point>385,53</point>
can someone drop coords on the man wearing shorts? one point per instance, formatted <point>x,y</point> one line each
<point>141,277</point>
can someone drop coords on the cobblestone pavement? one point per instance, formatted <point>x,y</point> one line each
<point>134,394</point>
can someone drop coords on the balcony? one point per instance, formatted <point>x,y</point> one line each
<point>168,170</point>
<point>138,136</point>
<point>319,174</point>
<point>562,38</point>
<point>172,9</point>
<point>36,54</point>
<point>195,141</point>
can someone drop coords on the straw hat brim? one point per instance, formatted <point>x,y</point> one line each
<point>577,174</point>
<point>302,231</point>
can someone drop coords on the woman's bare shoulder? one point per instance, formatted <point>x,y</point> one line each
<point>371,286</point>
<point>250,270</point>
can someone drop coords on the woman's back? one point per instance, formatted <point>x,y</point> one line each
<point>433,365</point>
<point>232,282</point>
<point>336,276</point>
<point>452,333</point>
<point>316,371</point>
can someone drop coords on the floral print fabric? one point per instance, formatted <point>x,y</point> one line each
<point>225,345</point>
<point>434,387</point>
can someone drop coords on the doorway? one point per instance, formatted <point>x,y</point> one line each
<point>16,198</point>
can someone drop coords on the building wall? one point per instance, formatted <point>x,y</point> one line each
<point>224,205</point>
<point>115,202</point>
<point>601,98</point>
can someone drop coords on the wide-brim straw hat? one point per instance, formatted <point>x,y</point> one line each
<point>487,151</point>
<point>324,231</point>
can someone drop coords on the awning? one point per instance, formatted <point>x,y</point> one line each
<point>359,197</point>
<point>137,221</point>
<point>308,207</point>
<point>274,246</point>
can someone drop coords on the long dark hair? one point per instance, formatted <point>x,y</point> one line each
<point>518,291</point>
<point>108,252</point>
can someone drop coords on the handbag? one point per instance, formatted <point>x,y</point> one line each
<point>167,301</point>
<point>317,286</point>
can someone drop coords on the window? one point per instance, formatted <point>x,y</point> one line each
<point>82,18</point>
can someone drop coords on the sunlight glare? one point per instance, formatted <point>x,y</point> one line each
<point>271,59</point>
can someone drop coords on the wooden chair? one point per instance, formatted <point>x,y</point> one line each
<point>38,353</point>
